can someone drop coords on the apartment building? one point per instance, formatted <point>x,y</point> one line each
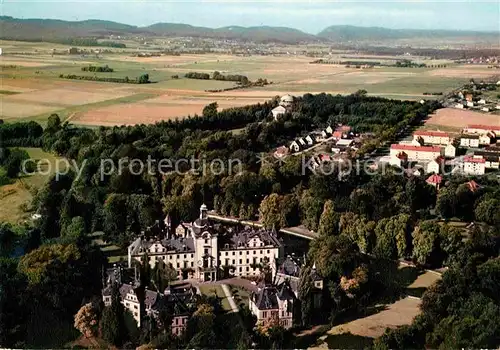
<point>433,137</point>
<point>417,153</point>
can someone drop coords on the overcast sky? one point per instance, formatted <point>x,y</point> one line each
<point>310,16</point>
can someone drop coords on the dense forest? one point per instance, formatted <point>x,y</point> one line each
<point>365,221</point>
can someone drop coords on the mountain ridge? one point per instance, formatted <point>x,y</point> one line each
<point>47,29</point>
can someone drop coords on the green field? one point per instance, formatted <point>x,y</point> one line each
<point>15,198</point>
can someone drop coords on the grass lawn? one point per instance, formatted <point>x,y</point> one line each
<point>215,289</point>
<point>20,193</point>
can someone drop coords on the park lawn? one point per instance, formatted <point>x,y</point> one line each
<point>15,196</point>
<point>215,289</point>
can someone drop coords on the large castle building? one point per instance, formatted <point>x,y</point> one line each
<point>205,251</point>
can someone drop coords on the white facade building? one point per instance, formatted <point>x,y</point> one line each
<point>197,250</point>
<point>278,112</point>
<point>450,151</point>
<point>433,137</point>
<point>417,153</point>
<point>273,304</point>
<point>474,166</point>
<point>471,141</point>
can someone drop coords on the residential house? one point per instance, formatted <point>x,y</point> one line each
<point>485,109</point>
<point>433,137</point>
<point>73,51</point>
<point>129,297</point>
<point>435,180</point>
<point>179,300</point>
<point>278,112</point>
<point>310,140</point>
<point>473,165</point>
<point>344,142</point>
<point>482,101</point>
<point>417,153</point>
<point>290,270</point>
<point>469,140</point>
<point>281,152</point>
<point>337,135</point>
<point>485,139</point>
<point>459,105</point>
<point>482,129</point>
<point>435,166</point>
<point>399,159</point>
<point>470,104</point>
<point>491,157</point>
<point>274,304</point>
<point>450,151</point>
<point>295,146</point>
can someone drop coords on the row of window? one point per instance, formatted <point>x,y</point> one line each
<point>240,261</point>
<point>248,252</point>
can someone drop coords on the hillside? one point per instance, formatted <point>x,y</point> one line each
<point>56,30</point>
<point>49,30</point>
<point>345,33</point>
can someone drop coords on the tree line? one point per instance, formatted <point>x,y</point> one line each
<point>143,79</point>
<point>99,69</point>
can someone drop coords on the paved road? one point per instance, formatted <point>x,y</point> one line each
<point>229,297</point>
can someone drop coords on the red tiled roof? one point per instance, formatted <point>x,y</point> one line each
<point>474,160</point>
<point>281,151</point>
<point>431,133</point>
<point>402,155</point>
<point>337,134</point>
<point>473,186</point>
<point>324,157</point>
<point>484,127</point>
<point>415,148</point>
<point>434,179</point>
<point>345,128</point>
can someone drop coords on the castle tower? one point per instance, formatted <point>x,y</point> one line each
<point>203,212</point>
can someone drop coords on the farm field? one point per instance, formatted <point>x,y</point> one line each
<point>452,119</point>
<point>32,88</point>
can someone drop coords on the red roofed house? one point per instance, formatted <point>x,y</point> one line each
<point>473,186</point>
<point>474,165</point>
<point>433,137</point>
<point>483,129</point>
<point>417,153</point>
<point>325,158</point>
<point>337,135</point>
<point>435,180</point>
<point>399,159</point>
<point>281,152</point>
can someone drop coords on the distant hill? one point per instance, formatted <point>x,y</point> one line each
<point>346,33</point>
<point>49,29</point>
<point>56,30</point>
